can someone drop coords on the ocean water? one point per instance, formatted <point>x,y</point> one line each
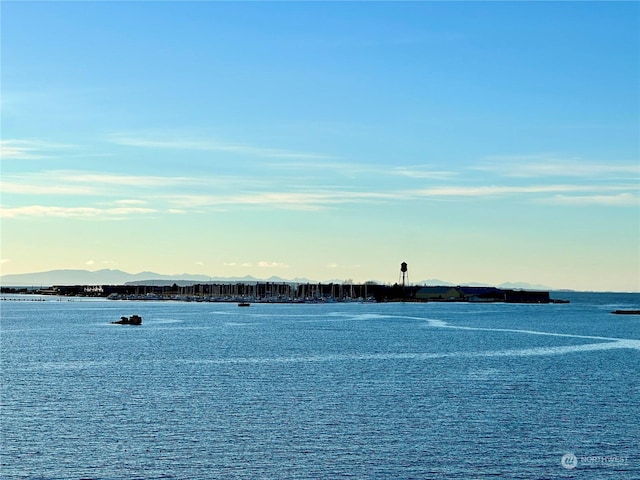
<point>283,391</point>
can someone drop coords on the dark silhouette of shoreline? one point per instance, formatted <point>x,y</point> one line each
<point>268,292</point>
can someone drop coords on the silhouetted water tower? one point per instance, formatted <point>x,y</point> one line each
<point>404,276</point>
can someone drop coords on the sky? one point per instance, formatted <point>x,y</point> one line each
<point>478,142</point>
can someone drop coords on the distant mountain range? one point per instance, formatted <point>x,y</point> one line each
<point>118,277</point>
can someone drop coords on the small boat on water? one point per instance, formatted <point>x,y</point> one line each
<point>626,312</point>
<point>132,320</point>
<point>243,304</point>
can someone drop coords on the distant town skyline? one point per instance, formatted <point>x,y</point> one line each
<point>482,142</point>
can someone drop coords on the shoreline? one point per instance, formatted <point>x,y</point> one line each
<point>266,292</point>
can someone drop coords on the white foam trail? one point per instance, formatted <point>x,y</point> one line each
<point>589,347</point>
<point>603,343</point>
<point>423,356</point>
<point>600,344</point>
<point>337,317</point>
<point>431,322</point>
<point>437,323</point>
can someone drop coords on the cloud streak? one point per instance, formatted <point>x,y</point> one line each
<point>286,200</point>
<point>504,190</point>
<point>423,172</point>
<point>168,194</point>
<point>180,205</point>
<point>15,149</point>
<point>84,183</point>
<point>211,146</point>
<point>73,212</point>
<point>267,264</point>
<point>619,200</point>
<point>546,165</point>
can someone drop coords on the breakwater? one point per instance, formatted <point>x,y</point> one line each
<point>269,292</point>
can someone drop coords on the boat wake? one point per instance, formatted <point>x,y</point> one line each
<point>598,344</point>
<point>425,356</point>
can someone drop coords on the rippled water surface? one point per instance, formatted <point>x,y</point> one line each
<point>428,391</point>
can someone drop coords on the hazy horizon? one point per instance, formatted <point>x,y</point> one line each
<point>486,142</point>
<point>78,277</point>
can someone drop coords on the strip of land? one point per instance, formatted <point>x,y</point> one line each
<point>267,292</point>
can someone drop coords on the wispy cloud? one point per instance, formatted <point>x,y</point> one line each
<point>549,165</point>
<point>105,263</point>
<point>344,168</point>
<point>618,200</point>
<point>124,180</point>
<point>267,264</point>
<point>425,172</point>
<point>145,195</point>
<point>236,264</point>
<point>46,189</point>
<point>15,149</point>
<point>357,169</point>
<point>60,182</point>
<point>211,146</point>
<point>288,200</point>
<point>73,212</point>
<point>502,190</point>
<point>130,201</point>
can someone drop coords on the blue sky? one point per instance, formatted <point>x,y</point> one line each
<point>485,142</point>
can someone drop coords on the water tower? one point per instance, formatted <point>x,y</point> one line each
<point>404,276</point>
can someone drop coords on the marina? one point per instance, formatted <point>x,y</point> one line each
<point>265,292</point>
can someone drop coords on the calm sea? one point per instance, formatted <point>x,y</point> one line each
<point>397,391</point>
